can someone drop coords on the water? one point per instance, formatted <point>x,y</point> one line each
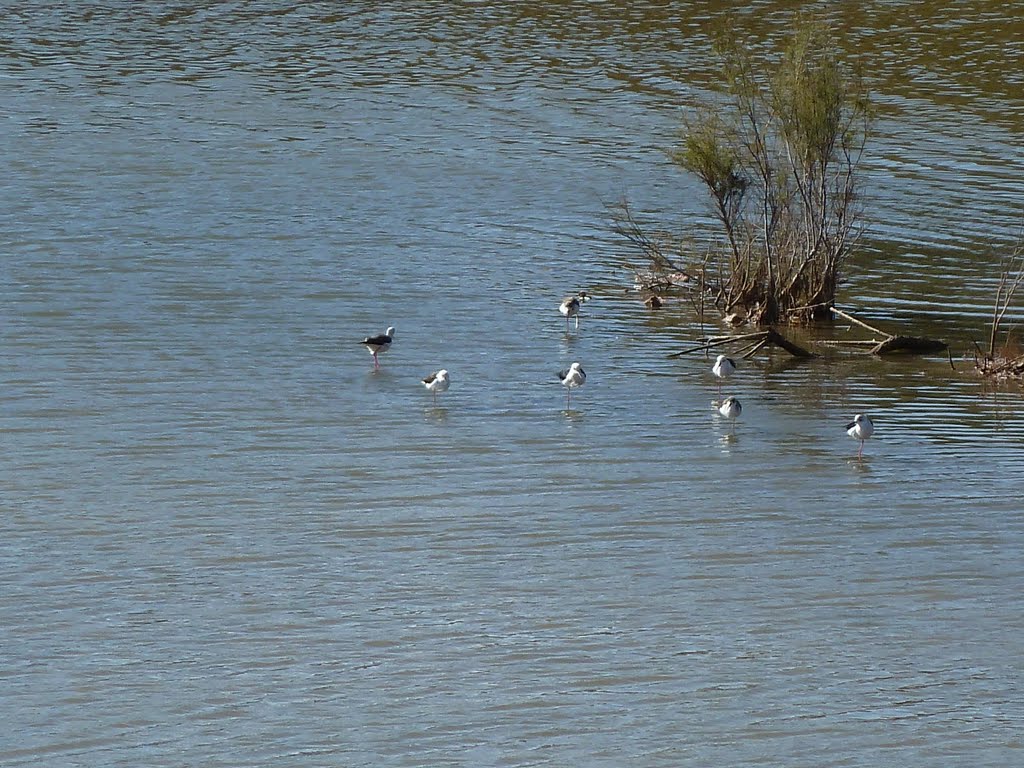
<point>225,541</point>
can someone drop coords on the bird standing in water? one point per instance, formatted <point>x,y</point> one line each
<point>861,429</point>
<point>723,368</point>
<point>572,378</point>
<point>437,382</point>
<point>570,307</point>
<point>731,409</point>
<point>379,344</point>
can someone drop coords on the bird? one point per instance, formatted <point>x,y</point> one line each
<point>571,378</point>
<point>570,307</point>
<point>723,368</point>
<point>378,344</point>
<point>861,429</point>
<point>731,409</point>
<point>437,382</point>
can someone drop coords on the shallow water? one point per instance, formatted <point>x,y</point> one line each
<point>227,541</point>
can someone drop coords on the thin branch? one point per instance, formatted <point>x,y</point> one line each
<point>852,319</point>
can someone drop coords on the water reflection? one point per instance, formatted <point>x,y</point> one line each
<point>436,413</point>
<point>728,441</point>
<point>574,416</point>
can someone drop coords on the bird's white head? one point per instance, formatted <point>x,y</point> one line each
<point>390,332</point>
<point>443,373</point>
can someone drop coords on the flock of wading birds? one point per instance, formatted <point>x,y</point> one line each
<point>574,376</point>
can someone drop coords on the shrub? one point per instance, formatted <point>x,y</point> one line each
<point>779,154</point>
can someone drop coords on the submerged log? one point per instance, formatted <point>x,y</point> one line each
<point>776,338</point>
<point>913,345</point>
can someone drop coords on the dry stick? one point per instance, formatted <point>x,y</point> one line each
<point>757,346</point>
<point>862,324</point>
<point>811,306</point>
<point>718,341</point>
<point>845,343</point>
<point>735,337</point>
<point>751,345</point>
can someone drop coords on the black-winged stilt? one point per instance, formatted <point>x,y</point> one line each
<point>860,429</point>
<point>437,382</point>
<point>731,409</point>
<point>723,368</point>
<point>379,344</point>
<point>572,378</point>
<point>570,307</point>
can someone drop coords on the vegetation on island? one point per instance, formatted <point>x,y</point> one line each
<point>779,159</point>
<point>779,155</point>
<point>1004,357</point>
<point>779,152</point>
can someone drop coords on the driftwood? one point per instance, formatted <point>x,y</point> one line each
<point>892,343</point>
<point>912,344</point>
<point>755,342</point>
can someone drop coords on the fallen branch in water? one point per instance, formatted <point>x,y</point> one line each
<point>893,342</point>
<point>760,339</point>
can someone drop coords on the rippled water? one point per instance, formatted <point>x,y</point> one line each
<point>226,541</point>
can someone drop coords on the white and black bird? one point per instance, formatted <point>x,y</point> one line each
<point>860,429</point>
<point>570,307</point>
<point>731,409</point>
<point>723,368</point>
<point>574,376</point>
<point>379,344</point>
<point>437,382</point>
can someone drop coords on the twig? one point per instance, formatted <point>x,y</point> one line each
<point>811,306</point>
<point>736,336</point>
<point>753,351</point>
<point>846,343</point>
<point>717,341</point>
<point>861,323</point>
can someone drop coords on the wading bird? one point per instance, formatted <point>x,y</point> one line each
<point>570,307</point>
<point>731,409</point>
<point>379,344</point>
<point>437,382</point>
<point>572,378</point>
<point>861,429</point>
<point>723,368</point>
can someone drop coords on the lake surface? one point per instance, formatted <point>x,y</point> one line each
<point>226,541</point>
